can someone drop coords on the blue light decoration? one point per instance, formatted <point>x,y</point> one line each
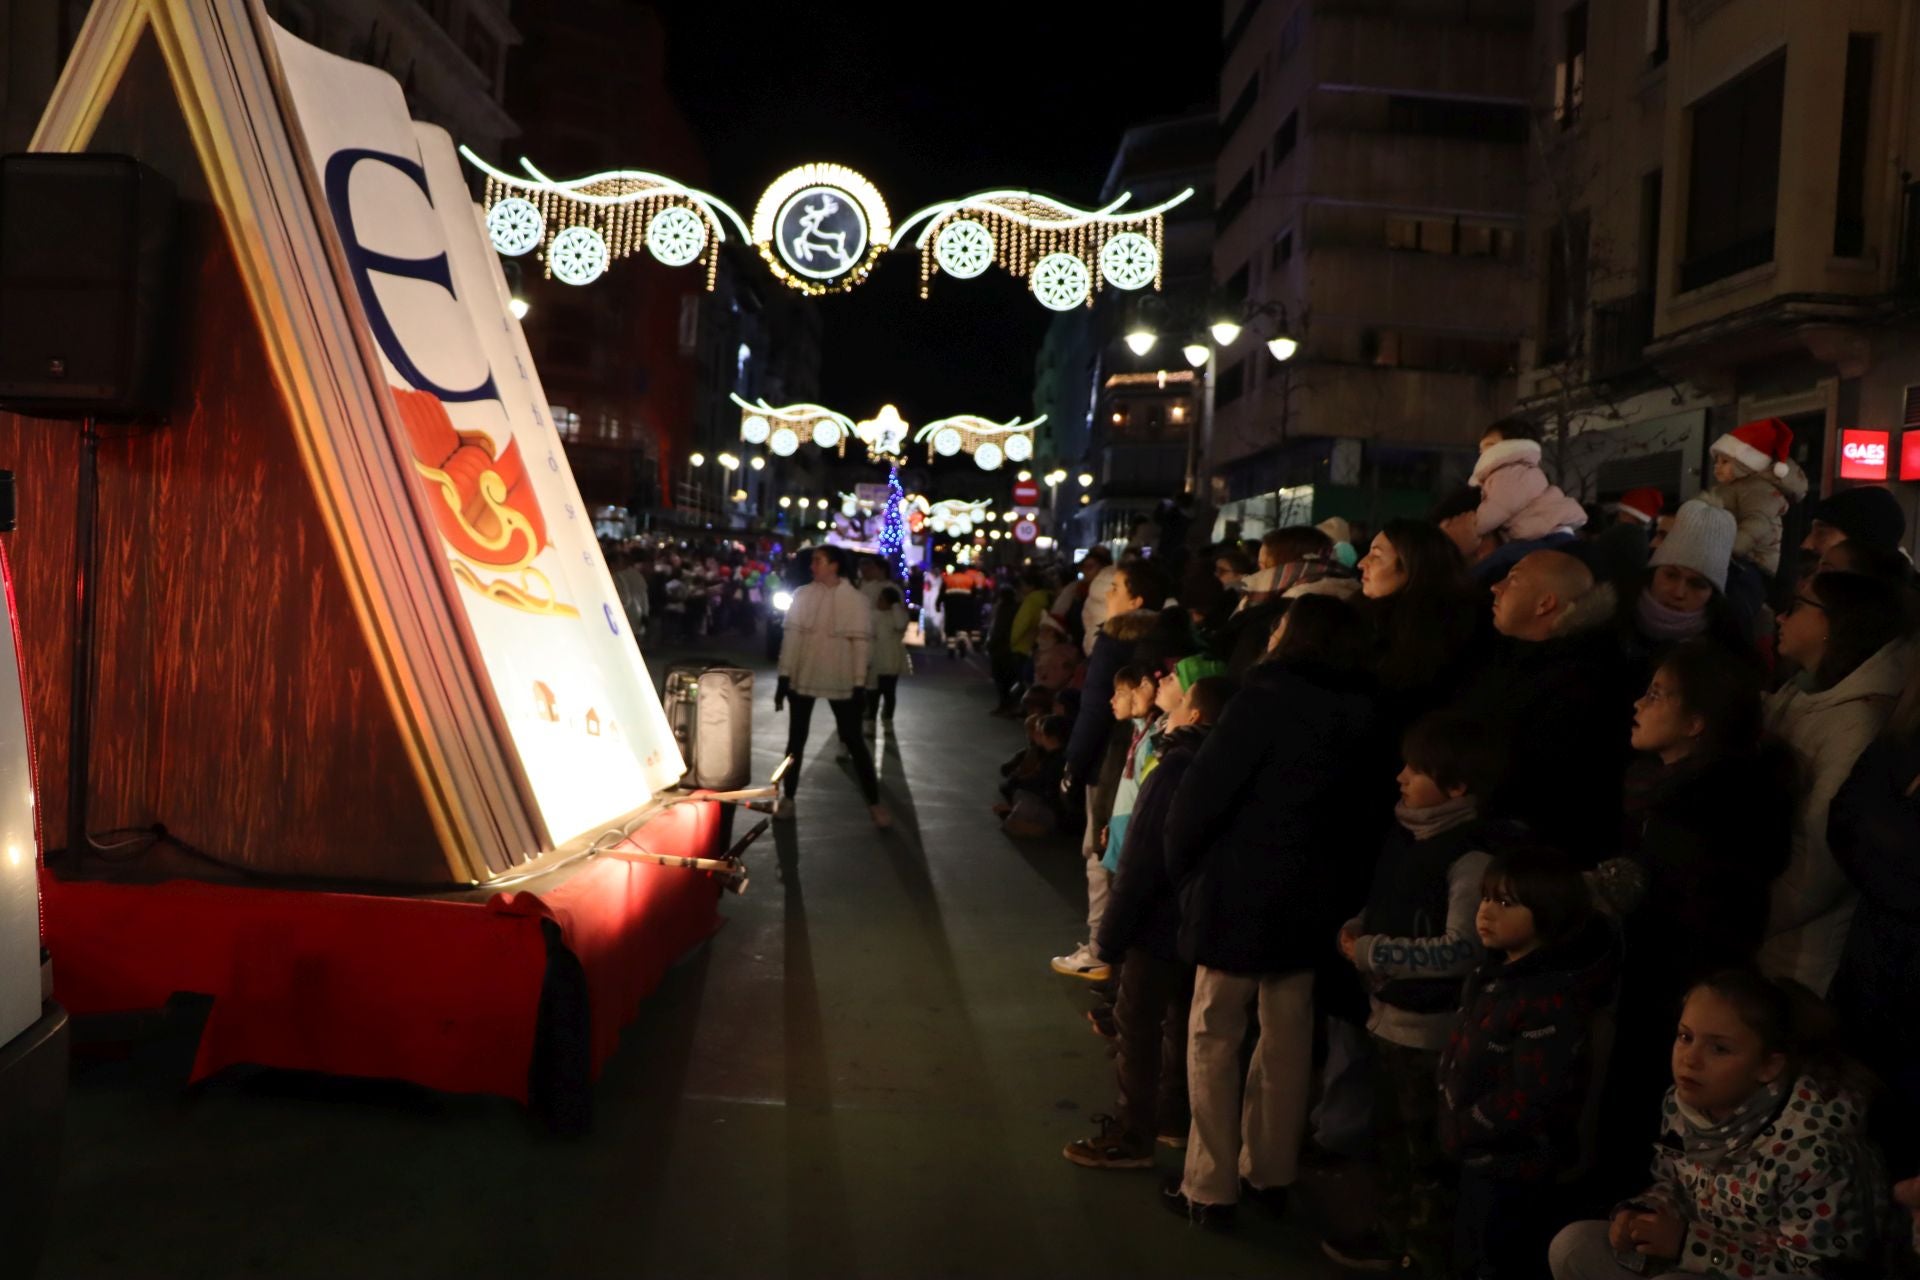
<point>893,524</point>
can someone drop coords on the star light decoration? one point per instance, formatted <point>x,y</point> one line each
<point>1064,252</point>
<point>990,443</point>
<point>583,226</point>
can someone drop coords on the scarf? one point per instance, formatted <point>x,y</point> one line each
<point>1712,1145</point>
<point>1658,622</point>
<point>1424,824</point>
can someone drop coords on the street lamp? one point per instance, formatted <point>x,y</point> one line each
<point>1224,331</point>
<point>1086,480</point>
<point>1197,354</point>
<point>696,459</point>
<point>728,461</point>
<point>1140,340</point>
<point>757,462</point>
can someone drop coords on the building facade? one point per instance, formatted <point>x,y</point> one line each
<point>1370,190</point>
<point>1723,227</point>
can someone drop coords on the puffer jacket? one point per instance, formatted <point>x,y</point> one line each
<point>1515,1072</point>
<point>1797,1195</point>
<point>1517,501</point>
<point>1813,900</point>
<point>1758,503</point>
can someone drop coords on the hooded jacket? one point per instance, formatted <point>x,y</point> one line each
<point>1758,502</point>
<point>1515,1072</point>
<point>1813,901</point>
<point>1517,501</point>
<point>1786,1193</point>
<point>1143,909</point>
<point>823,650</point>
<point>1261,826</point>
<point>1143,637</point>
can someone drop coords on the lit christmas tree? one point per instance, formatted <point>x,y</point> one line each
<point>893,524</point>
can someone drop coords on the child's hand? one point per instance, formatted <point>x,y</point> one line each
<point>1657,1234</point>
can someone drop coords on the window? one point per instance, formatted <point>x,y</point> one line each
<point>1650,193</point>
<point>1566,302</point>
<point>1734,184</point>
<point>1231,383</point>
<point>1465,237</point>
<point>1656,32</point>
<point>1453,118</point>
<point>1484,240</point>
<point>1235,203</point>
<point>1856,112</point>
<point>1241,109</point>
<point>1570,75</point>
<point>1285,137</point>
<point>1282,250</point>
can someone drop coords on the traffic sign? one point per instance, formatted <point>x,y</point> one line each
<point>1026,530</point>
<point>1026,493</point>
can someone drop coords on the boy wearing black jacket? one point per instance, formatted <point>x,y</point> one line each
<point>1142,924</point>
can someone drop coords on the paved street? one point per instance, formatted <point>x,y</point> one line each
<point>870,1071</point>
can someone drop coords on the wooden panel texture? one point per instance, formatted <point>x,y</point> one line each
<point>235,699</point>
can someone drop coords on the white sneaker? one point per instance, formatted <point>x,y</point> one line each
<point>1082,963</point>
<point>783,809</point>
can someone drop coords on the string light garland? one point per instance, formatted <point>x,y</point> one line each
<point>783,428</point>
<point>1064,252</point>
<point>989,442</point>
<point>581,227</point>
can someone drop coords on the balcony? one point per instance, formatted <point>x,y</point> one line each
<point>1622,328</point>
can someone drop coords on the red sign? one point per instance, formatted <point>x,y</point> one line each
<point>1910,454</point>
<point>1863,454</point>
<point>1026,530</point>
<point>1026,493</point>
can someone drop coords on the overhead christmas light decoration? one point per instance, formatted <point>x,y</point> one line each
<point>582,226</point>
<point>788,425</point>
<point>821,227</point>
<point>969,433</point>
<point>1029,235</point>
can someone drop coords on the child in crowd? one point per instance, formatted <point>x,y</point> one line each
<point>1141,925</point>
<point>887,660</point>
<point>1134,703</point>
<point>1518,504</point>
<point>1756,480</point>
<point>1035,791</point>
<point>1514,1076</point>
<point>1761,1168</point>
<point>1035,706</point>
<point>1413,944</point>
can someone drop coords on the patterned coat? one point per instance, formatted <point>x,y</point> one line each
<point>1801,1191</point>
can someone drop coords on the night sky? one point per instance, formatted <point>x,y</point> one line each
<point>932,102</point>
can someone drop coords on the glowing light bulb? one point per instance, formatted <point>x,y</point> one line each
<point>1141,341</point>
<point>696,459</point>
<point>519,308</point>
<point>1086,480</point>
<point>1282,347</point>
<point>1224,332</point>
<point>757,462</point>
<point>1196,353</point>
<point>1024,476</point>
<point>786,502</point>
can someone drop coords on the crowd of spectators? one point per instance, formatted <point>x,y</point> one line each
<point>1570,859</point>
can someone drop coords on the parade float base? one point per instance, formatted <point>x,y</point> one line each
<point>520,992</point>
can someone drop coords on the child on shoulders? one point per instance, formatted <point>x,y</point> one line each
<point>1755,478</point>
<point>1519,506</point>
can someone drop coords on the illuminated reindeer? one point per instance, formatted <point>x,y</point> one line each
<point>812,238</point>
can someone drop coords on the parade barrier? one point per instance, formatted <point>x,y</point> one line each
<point>350,660</point>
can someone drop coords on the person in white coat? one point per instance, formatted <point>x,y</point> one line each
<point>1844,630</point>
<point>888,661</point>
<point>823,654</point>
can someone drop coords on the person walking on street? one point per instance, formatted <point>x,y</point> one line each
<point>823,654</point>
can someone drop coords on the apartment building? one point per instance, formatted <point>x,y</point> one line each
<point>1371,190</point>
<point>1722,226</point>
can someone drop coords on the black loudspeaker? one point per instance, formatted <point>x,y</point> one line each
<point>86,250</point>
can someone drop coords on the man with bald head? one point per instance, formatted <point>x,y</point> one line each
<point>1557,691</point>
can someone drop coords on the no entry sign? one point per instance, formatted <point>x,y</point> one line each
<point>1026,493</point>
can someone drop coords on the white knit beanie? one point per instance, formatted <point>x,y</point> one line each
<point>1701,540</point>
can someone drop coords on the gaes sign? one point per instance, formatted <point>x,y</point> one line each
<point>1863,454</point>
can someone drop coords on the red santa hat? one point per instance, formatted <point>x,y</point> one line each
<point>1760,446</point>
<point>1642,504</point>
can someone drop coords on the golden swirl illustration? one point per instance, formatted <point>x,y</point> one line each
<point>528,595</point>
<point>506,521</point>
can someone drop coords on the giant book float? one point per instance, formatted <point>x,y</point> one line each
<point>352,621</point>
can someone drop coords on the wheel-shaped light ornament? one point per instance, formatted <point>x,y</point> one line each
<point>1129,261</point>
<point>1019,447</point>
<point>826,433</point>
<point>964,248</point>
<point>515,226</point>
<point>947,442</point>
<point>1061,282</point>
<point>755,429</point>
<point>987,457</point>
<point>676,236</point>
<point>785,441</point>
<point>578,255</point>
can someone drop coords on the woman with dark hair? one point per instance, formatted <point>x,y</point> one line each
<point>1844,631</point>
<point>1423,612</point>
<point>1255,838</point>
<point>1708,811</point>
<point>1873,829</point>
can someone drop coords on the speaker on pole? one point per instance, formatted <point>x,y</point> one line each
<point>86,248</point>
